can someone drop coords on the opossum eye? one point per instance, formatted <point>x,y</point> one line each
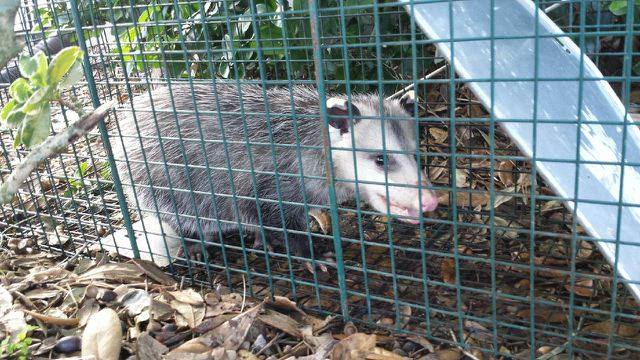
<point>380,160</point>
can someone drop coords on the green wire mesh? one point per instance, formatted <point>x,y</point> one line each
<point>501,266</point>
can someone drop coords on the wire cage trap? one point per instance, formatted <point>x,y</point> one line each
<point>502,266</point>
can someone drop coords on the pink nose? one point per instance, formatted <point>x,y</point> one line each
<point>429,200</point>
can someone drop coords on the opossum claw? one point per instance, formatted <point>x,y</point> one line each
<point>309,266</point>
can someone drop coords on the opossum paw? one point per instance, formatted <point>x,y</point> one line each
<point>309,266</point>
<point>191,252</point>
<point>258,245</point>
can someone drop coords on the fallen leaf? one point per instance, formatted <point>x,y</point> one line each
<point>118,272</point>
<point>149,348</point>
<point>447,270</point>
<point>321,345</point>
<point>582,287</point>
<point>461,178</point>
<point>135,301</point>
<point>421,341</point>
<point>189,307</point>
<point>322,218</point>
<point>285,303</point>
<point>282,322</point>
<point>235,330</point>
<point>88,309</point>
<point>505,173</point>
<point>153,272</point>
<point>477,331</point>
<point>382,354</point>
<point>354,347</point>
<point>439,135</point>
<point>444,354</point>
<point>604,328</point>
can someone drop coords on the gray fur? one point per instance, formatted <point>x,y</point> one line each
<point>154,117</point>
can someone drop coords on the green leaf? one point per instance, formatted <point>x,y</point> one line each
<point>36,99</point>
<point>15,118</point>
<point>636,68</point>
<point>7,109</point>
<point>36,128</point>
<point>619,7</point>
<point>27,66</point>
<point>20,90</point>
<point>62,63</point>
<point>41,76</point>
<point>74,75</point>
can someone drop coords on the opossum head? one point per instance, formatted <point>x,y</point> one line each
<point>375,165</point>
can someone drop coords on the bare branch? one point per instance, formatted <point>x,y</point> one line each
<point>51,147</point>
<point>410,86</point>
<point>9,48</point>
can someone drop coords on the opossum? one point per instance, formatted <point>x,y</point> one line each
<point>179,142</point>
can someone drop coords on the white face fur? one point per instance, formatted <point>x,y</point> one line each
<point>403,198</point>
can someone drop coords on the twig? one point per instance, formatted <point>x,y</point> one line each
<point>52,320</point>
<point>410,86</point>
<point>453,335</point>
<point>52,146</point>
<point>269,344</point>
<point>244,293</point>
<point>65,263</point>
<point>554,6</point>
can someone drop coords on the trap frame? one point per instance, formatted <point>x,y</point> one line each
<point>507,270</point>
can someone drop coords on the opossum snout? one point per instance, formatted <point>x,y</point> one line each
<point>429,201</point>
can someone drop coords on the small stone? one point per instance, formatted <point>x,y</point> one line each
<point>68,344</point>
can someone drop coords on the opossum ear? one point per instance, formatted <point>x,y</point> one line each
<point>408,100</point>
<point>338,110</point>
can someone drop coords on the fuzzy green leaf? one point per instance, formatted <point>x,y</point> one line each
<point>14,118</point>
<point>28,66</point>
<point>8,108</point>
<point>73,76</point>
<point>41,76</point>
<point>36,99</point>
<point>36,128</point>
<point>62,63</point>
<point>20,90</point>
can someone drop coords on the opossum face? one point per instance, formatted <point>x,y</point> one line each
<point>376,165</point>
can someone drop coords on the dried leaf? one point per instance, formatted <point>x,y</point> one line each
<point>323,219</point>
<point>505,173</point>
<point>232,333</point>
<point>461,178</point>
<point>189,307</point>
<point>135,301</point>
<point>118,272</point>
<point>445,354</point>
<point>477,331</point>
<point>448,270</point>
<point>544,315</point>
<point>405,315</point>
<point>464,199</point>
<point>149,348</point>
<point>88,309</point>
<point>439,135</point>
<point>354,347</point>
<point>282,322</point>
<point>285,303</point>
<point>582,287</point>
<point>153,272</point>
<point>604,328</point>
<point>421,341</point>
<point>382,354</point>
<point>322,345</point>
